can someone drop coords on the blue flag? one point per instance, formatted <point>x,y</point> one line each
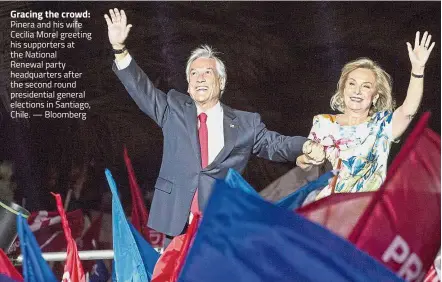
<point>35,268</point>
<point>134,258</point>
<point>6,278</point>
<point>291,201</point>
<point>147,252</point>
<point>245,238</point>
<point>295,199</point>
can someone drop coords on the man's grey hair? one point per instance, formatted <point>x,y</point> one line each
<point>205,51</point>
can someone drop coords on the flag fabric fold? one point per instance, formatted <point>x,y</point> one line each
<point>8,273</point>
<point>73,269</point>
<point>147,252</point>
<point>291,201</point>
<point>402,224</point>
<point>133,256</point>
<point>297,198</point>
<point>238,226</point>
<point>35,268</point>
<point>139,211</point>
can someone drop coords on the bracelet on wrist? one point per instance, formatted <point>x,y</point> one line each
<point>119,51</point>
<point>417,75</point>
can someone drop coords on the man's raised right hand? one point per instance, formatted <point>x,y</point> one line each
<point>117,26</point>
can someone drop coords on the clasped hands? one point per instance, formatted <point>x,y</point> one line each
<point>313,154</point>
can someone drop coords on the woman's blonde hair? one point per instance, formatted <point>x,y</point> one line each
<point>383,86</point>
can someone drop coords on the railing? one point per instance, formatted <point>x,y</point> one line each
<point>84,255</point>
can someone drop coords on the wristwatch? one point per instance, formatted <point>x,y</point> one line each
<point>119,51</point>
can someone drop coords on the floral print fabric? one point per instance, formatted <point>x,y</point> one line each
<point>363,150</point>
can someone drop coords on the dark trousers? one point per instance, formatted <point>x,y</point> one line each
<point>168,238</point>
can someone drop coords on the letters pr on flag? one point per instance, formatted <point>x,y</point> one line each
<point>404,214</point>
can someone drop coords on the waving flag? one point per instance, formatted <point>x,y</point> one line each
<point>35,268</point>
<point>130,262</point>
<point>400,223</point>
<point>8,273</point>
<point>48,231</point>
<point>147,252</point>
<point>139,215</point>
<point>169,264</point>
<point>291,201</point>
<point>245,238</point>
<point>73,270</point>
<point>295,199</point>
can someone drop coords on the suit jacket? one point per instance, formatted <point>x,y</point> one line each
<point>181,172</point>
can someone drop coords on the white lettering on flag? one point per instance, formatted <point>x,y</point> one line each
<point>399,252</point>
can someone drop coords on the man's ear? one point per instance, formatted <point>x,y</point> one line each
<point>222,83</point>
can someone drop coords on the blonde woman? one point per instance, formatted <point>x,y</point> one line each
<point>358,140</point>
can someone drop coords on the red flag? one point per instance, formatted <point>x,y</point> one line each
<point>47,229</point>
<point>405,213</point>
<point>73,270</point>
<point>171,262</point>
<point>139,215</point>
<point>400,223</point>
<point>339,212</point>
<point>7,269</point>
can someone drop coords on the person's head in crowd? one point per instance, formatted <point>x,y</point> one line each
<point>7,185</point>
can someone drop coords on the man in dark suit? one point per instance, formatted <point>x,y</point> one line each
<point>203,138</point>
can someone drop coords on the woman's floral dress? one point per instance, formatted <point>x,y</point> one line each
<point>363,149</point>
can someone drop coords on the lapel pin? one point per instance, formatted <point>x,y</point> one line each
<point>232,126</point>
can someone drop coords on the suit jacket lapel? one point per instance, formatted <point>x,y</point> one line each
<point>190,119</point>
<point>230,127</point>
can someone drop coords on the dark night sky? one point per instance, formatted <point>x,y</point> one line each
<point>283,60</point>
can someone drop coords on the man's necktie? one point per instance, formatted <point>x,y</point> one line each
<point>204,147</point>
<point>179,247</point>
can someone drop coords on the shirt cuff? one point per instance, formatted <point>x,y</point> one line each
<point>124,63</point>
